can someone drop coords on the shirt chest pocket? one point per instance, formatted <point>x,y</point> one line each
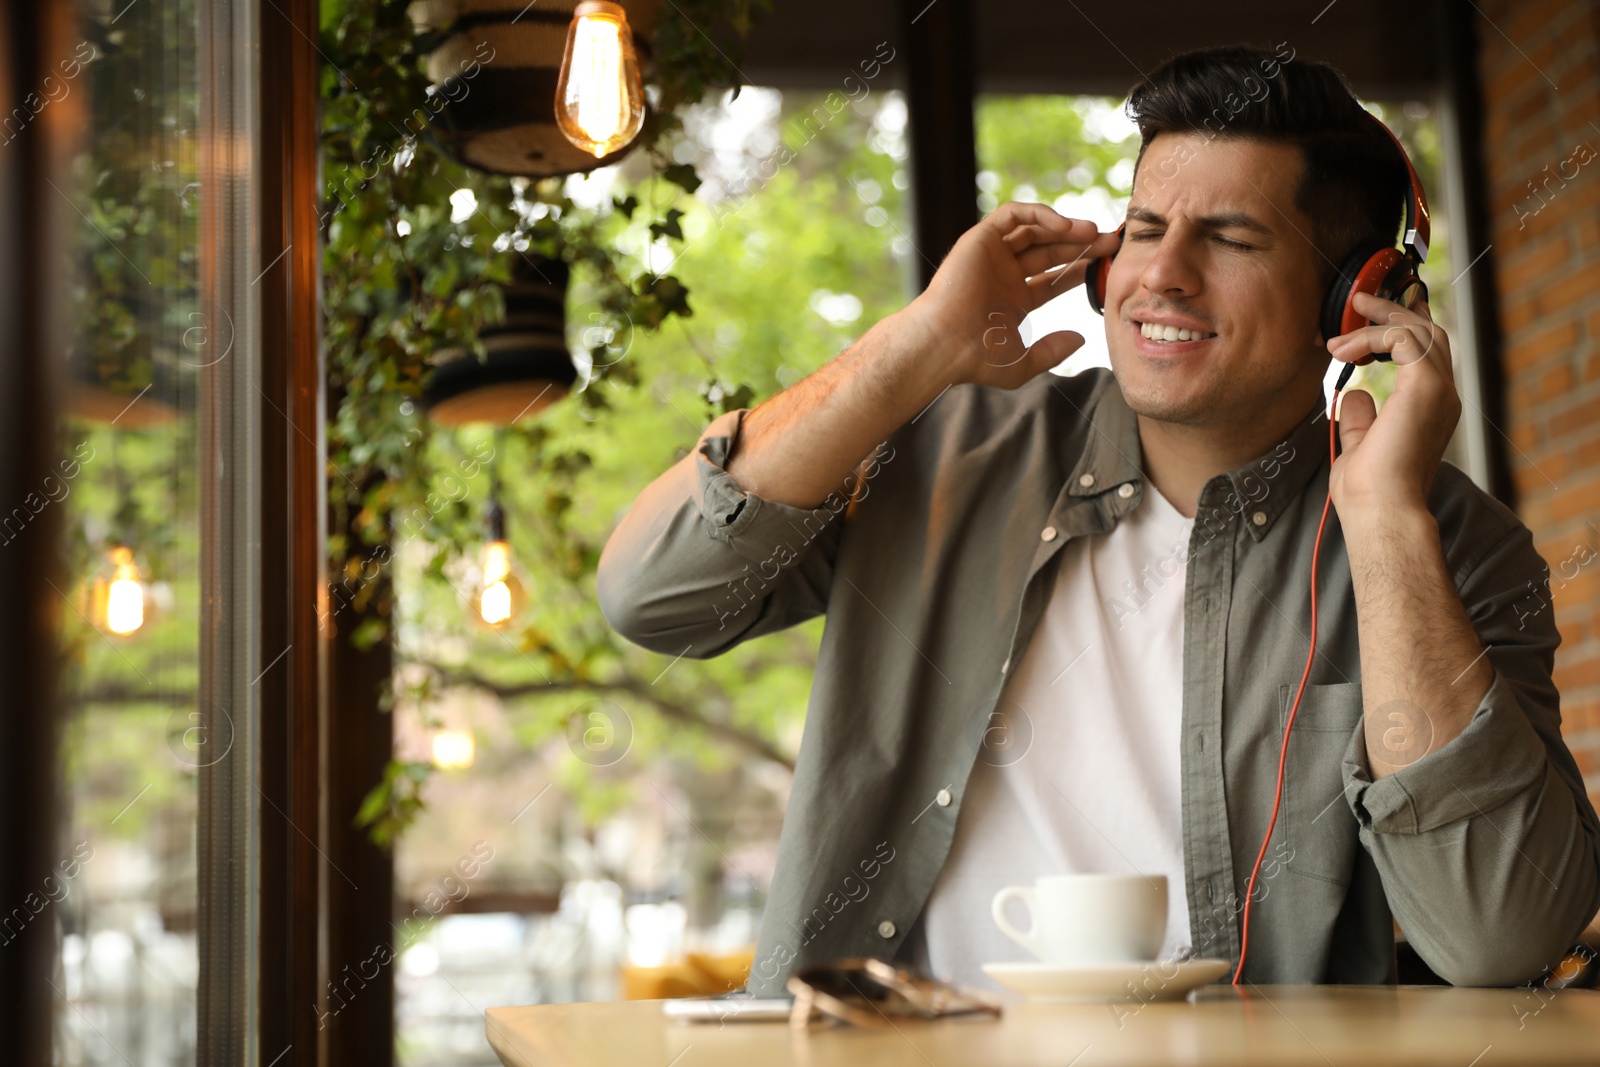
<point>1320,831</point>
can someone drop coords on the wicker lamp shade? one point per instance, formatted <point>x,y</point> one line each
<point>498,113</point>
<point>526,367</point>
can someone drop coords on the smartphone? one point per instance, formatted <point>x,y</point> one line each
<point>728,1007</point>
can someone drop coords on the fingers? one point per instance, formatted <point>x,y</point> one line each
<point>1053,349</point>
<point>1409,336</point>
<point>1044,257</point>
<point>1375,307</point>
<point>1396,341</point>
<point>1406,345</point>
<point>1023,225</point>
<point>1042,288</point>
<point>1357,410</point>
<point>1029,238</point>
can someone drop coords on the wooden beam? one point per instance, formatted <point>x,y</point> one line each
<point>937,35</point>
<point>1462,94</point>
<point>33,238</point>
<point>360,891</point>
<point>293,476</point>
<point>1388,51</point>
<point>260,837</point>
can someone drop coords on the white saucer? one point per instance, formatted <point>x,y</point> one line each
<point>1100,983</point>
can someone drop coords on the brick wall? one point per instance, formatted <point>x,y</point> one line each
<point>1539,64</point>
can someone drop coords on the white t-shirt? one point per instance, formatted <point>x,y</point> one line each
<point>1079,773</point>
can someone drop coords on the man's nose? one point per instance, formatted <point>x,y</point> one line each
<point>1171,267</point>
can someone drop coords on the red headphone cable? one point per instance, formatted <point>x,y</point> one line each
<point>1283,754</point>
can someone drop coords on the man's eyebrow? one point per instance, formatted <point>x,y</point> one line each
<point>1228,220</point>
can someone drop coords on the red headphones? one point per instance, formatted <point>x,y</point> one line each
<point>1390,273</point>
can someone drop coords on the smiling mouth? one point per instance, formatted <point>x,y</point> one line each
<point>1171,334</point>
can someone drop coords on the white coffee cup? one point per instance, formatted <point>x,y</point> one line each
<point>1089,918</point>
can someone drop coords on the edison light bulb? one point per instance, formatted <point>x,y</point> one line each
<point>499,598</point>
<point>453,749</point>
<point>495,603</point>
<point>599,97</point>
<point>124,611</point>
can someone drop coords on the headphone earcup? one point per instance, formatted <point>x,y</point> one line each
<point>1094,278</point>
<point>1094,283</point>
<point>1339,289</point>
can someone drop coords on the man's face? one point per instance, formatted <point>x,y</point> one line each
<point>1214,243</point>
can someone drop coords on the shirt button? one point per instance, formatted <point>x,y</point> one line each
<point>886,929</point>
<point>1125,490</point>
<point>942,798</point>
<point>1259,518</point>
<point>1086,480</point>
<point>1047,534</point>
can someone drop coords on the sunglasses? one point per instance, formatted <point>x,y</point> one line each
<point>872,993</point>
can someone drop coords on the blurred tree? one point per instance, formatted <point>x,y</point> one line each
<point>787,270</point>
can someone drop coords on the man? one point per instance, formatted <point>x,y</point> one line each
<point>1067,617</point>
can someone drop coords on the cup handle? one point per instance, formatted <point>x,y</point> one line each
<point>1023,893</point>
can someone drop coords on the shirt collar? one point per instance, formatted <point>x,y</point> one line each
<point>1259,490</point>
<point>1265,487</point>
<point>1113,455</point>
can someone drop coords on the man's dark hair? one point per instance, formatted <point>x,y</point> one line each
<point>1353,183</point>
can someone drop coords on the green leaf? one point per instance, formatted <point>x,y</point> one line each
<point>669,227</point>
<point>683,176</point>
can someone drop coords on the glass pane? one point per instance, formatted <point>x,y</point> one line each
<point>124,895</point>
<point>617,824</point>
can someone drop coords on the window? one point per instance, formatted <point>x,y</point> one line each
<point>124,892</point>
<point>635,818</point>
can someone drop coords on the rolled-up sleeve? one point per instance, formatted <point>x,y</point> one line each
<point>698,564</point>
<point>1489,847</point>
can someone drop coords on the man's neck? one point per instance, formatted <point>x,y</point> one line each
<point>1179,458</point>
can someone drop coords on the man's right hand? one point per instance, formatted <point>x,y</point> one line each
<point>1016,259</point>
<point>802,444</point>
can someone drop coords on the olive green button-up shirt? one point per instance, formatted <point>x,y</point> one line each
<point>933,573</point>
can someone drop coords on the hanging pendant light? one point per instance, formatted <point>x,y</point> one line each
<point>526,365</point>
<point>119,595</point>
<point>599,96</point>
<point>495,73</point>
<point>118,598</point>
<point>500,594</point>
<point>453,750</point>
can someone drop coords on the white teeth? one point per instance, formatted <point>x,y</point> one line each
<point>1170,333</point>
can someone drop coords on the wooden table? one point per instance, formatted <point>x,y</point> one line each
<point>1322,1026</point>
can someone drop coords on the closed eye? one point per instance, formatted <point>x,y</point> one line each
<point>1147,235</point>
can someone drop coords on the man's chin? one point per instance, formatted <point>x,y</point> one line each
<point>1170,397</point>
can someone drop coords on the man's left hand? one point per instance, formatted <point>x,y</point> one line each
<point>1388,461</point>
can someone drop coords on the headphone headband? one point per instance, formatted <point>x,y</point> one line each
<point>1364,273</point>
<point>1418,227</point>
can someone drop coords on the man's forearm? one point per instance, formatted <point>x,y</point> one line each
<point>1423,668</point>
<point>801,445</point>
